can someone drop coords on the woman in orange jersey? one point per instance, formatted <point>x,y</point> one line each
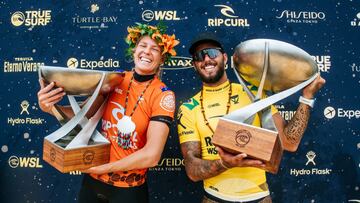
<point>136,120</point>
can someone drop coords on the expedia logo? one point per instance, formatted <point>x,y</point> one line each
<point>178,62</point>
<point>331,112</point>
<point>31,18</point>
<point>323,62</point>
<point>302,16</point>
<point>356,21</point>
<point>231,20</point>
<point>149,15</point>
<point>88,157</point>
<point>22,64</point>
<point>24,162</point>
<point>242,137</point>
<point>83,63</point>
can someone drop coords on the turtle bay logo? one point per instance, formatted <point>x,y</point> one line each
<point>149,15</point>
<point>87,64</point>
<point>231,20</point>
<point>21,65</point>
<point>309,17</point>
<point>178,62</point>
<point>24,106</point>
<point>242,137</point>
<point>24,162</point>
<point>323,62</point>
<point>356,21</point>
<point>331,112</point>
<point>169,164</point>
<point>95,21</point>
<point>31,18</point>
<point>310,156</point>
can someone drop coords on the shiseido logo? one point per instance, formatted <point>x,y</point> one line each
<point>88,156</point>
<point>242,137</point>
<point>302,16</point>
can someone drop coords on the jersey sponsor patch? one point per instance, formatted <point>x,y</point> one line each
<point>168,102</point>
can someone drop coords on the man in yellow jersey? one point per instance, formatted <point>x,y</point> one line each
<point>227,177</point>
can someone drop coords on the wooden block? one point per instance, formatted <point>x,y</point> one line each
<point>66,160</point>
<point>258,143</point>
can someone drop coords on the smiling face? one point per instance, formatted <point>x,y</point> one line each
<point>211,71</point>
<point>147,56</point>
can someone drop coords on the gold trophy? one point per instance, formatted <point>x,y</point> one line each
<point>77,145</point>
<point>272,66</point>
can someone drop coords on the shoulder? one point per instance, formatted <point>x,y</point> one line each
<point>191,103</point>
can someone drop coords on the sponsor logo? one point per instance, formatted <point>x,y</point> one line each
<point>87,64</point>
<point>331,112</point>
<point>213,105</point>
<point>95,21</point>
<point>88,157</point>
<point>235,99</point>
<point>24,162</point>
<point>230,20</point>
<point>21,65</point>
<point>310,156</point>
<point>75,173</point>
<point>309,17</point>
<point>285,114</point>
<point>356,21</point>
<point>24,106</point>
<point>242,137</point>
<point>31,18</point>
<point>168,102</point>
<point>355,69</point>
<point>169,164</point>
<point>178,62</point>
<point>149,15</point>
<point>52,154</point>
<point>323,63</point>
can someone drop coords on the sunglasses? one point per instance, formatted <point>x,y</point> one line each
<point>211,52</point>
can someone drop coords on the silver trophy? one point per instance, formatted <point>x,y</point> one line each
<point>272,66</point>
<point>77,144</point>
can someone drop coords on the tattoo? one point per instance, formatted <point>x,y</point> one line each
<point>295,129</point>
<point>197,168</point>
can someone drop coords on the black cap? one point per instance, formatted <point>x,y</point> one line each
<point>204,37</point>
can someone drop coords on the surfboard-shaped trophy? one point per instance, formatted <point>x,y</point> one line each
<point>272,66</point>
<point>77,145</point>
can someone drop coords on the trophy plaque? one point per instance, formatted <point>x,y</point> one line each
<point>273,66</point>
<point>77,145</point>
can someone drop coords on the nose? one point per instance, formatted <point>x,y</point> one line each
<point>207,57</point>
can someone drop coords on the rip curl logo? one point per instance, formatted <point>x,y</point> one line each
<point>242,138</point>
<point>52,154</point>
<point>88,157</point>
<point>126,137</point>
<point>226,10</point>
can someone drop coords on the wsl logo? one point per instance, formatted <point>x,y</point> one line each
<point>24,162</point>
<point>331,112</point>
<point>178,63</point>
<point>149,15</point>
<point>356,21</point>
<point>31,18</point>
<point>309,17</point>
<point>231,20</point>
<point>83,63</point>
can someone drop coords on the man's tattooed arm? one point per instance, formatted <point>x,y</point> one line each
<point>197,168</point>
<point>292,132</point>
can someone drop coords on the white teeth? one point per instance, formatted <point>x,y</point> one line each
<point>143,59</point>
<point>209,67</point>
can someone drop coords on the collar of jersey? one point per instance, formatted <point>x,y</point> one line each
<point>220,88</point>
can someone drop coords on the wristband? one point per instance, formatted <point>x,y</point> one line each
<point>309,102</point>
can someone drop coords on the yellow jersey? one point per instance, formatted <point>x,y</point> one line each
<point>235,184</point>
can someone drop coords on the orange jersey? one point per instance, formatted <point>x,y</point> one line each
<point>126,133</point>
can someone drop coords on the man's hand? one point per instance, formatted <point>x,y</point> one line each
<point>310,90</point>
<point>239,160</point>
<point>48,97</point>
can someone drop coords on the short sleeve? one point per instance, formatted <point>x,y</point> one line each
<point>186,125</point>
<point>163,107</point>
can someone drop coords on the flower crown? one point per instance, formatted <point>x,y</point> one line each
<point>157,33</point>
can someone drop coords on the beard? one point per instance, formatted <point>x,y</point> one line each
<point>213,79</point>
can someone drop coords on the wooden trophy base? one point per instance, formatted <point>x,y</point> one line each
<point>66,160</point>
<point>257,143</point>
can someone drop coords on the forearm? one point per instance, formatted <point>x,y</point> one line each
<point>199,169</point>
<point>294,130</point>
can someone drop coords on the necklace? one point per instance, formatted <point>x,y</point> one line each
<point>203,110</point>
<point>137,102</point>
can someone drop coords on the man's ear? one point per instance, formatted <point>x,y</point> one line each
<point>225,58</point>
<point>193,63</point>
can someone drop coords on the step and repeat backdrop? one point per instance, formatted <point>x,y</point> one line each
<point>90,35</point>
